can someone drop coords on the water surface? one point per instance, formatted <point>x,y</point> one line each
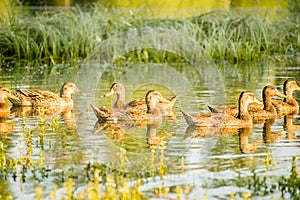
<point>209,164</point>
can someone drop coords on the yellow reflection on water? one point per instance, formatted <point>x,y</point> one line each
<point>168,8</point>
<point>186,8</point>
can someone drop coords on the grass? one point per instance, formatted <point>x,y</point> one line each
<point>70,36</point>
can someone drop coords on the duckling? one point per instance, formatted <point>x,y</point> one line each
<point>43,98</point>
<point>223,119</point>
<point>256,109</point>
<point>289,104</point>
<point>4,108</point>
<point>115,115</point>
<point>119,90</point>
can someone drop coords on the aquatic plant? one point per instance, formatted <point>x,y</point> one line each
<point>289,186</point>
<point>70,36</point>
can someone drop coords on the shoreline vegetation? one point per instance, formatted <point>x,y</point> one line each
<point>69,36</point>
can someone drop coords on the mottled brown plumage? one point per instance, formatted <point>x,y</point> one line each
<point>289,104</point>
<point>115,115</point>
<point>165,105</point>
<point>43,98</point>
<point>4,108</point>
<point>223,119</point>
<point>256,110</point>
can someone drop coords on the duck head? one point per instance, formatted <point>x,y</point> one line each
<point>152,98</point>
<point>270,91</point>
<point>68,89</point>
<point>289,86</point>
<point>116,88</point>
<point>5,93</point>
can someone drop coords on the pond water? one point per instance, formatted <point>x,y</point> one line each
<point>208,164</point>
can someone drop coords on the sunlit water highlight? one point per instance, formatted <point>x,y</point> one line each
<point>210,165</point>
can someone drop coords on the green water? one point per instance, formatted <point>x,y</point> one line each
<point>209,164</point>
<point>46,151</point>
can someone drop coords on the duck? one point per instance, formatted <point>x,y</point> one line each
<point>151,113</point>
<point>4,107</point>
<point>117,88</point>
<point>44,98</point>
<point>223,119</point>
<point>289,104</point>
<point>264,109</point>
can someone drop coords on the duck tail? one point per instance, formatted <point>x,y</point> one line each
<point>15,102</point>
<point>173,99</point>
<point>214,109</point>
<point>190,120</point>
<point>101,115</point>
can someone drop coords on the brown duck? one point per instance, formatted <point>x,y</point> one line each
<point>223,119</point>
<point>289,104</point>
<point>119,90</point>
<point>4,108</point>
<point>256,109</point>
<point>43,98</point>
<point>151,113</point>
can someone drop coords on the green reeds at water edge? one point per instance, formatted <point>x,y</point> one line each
<point>72,35</point>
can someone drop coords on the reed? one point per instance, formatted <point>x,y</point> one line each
<point>70,36</point>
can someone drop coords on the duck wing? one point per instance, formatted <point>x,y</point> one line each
<point>36,98</point>
<point>136,106</point>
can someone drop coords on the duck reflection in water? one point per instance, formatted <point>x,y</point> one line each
<point>5,127</point>
<point>290,127</point>
<point>152,138</point>
<point>54,112</point>
<point>244,144</point>
<point>118,130</point>
<point>207,131</point>
<point>244,133</point>
<point>270,136</point>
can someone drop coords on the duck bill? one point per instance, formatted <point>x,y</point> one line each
<point>79,92</point>
<point>281,95</point>
<point>298,88</point>
<point>111,92</point>
<point>163,100</point>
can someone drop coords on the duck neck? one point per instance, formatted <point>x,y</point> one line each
<point>120,102</point>
<point>289,97</point>
<point>154,111</point>
<point>65,94</point>
<point>243,111</point>
<point>268,106</point>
